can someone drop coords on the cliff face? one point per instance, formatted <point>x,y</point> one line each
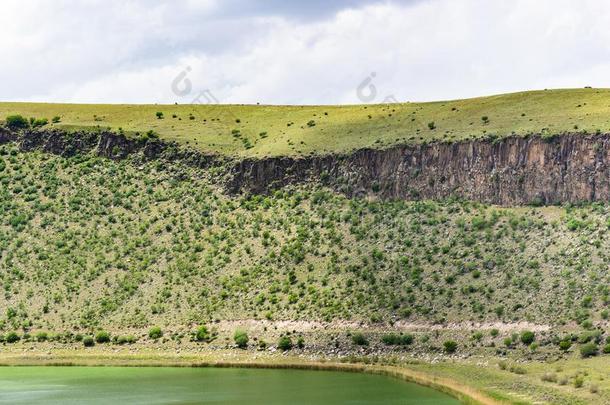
<point>509,171</point>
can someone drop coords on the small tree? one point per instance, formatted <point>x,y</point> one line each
<point>241,339</point>
<point>159,115</point>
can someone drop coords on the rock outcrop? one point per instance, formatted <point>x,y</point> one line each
<point>506,171</point>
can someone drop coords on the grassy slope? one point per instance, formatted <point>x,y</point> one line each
<point>89,242</point>
<point>339,128</point>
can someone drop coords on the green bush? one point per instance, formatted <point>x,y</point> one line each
<point>42,336</point>
<point>606,349</point>
<point>155,332</point>
<point>588,350</point>
<point>16,122</point>
<point>102,337</point>
<point>241,339</point>
<point>12,337</point>
<point>359,339</point>
<point>450,346</point>
<point>565,345</point>
<point>300,342</point>
<point>56,119</point>
<point>393,339</point>
<point>88,341</point>
<point>40,122</point>
<point>202,334</point>
<point>527,337</point>
<point>285,343</point>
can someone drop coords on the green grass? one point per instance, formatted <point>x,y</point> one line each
<point>338,128</point>
<point>532,386</point>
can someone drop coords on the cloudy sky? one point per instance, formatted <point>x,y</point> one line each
<point>305,52</point>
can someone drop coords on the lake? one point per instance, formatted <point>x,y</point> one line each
<point>147,385</point>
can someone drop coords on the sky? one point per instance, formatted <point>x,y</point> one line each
<point>297,52</point>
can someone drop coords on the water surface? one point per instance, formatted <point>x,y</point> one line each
<point>131,385</point>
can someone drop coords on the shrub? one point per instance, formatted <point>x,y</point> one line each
<point>517,370</point>
<point>549,377</point>
<point>56,119</point>
<point>88,341</point>
<point>285,343</point>
<point>40,122</point>
<point>359,339</point>
<point>159,115</point>
<point>311,123</point>
<point>202,334</point>
<point>102,337</point>
<point>300,342</point>
<point>565,345</point>
<point>16,122</point>
<point>431,125</point>
<point>578,381</point>
<point>241,339</point>
<point>606,349</point>
<point>450,346</point>
<point>42,336</point>
<point>527,337</point>
<point>155,332</point>
<point>12,337</point>
<point>392,339</point>
<point>588,350</point>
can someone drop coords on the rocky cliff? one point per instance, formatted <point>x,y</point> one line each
<point>506,171</point>
<point>509,171</point>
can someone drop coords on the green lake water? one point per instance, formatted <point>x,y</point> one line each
<point>126,385</point>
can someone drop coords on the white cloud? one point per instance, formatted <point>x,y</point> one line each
<point>115,51</point>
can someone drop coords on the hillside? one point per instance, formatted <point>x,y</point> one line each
<point>487,252</point>
<point>258,131</point>
<point>88,242</point>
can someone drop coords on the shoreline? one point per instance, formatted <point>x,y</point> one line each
<point>463,393</point>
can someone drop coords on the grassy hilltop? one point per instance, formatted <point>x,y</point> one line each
<point>249,130</point>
